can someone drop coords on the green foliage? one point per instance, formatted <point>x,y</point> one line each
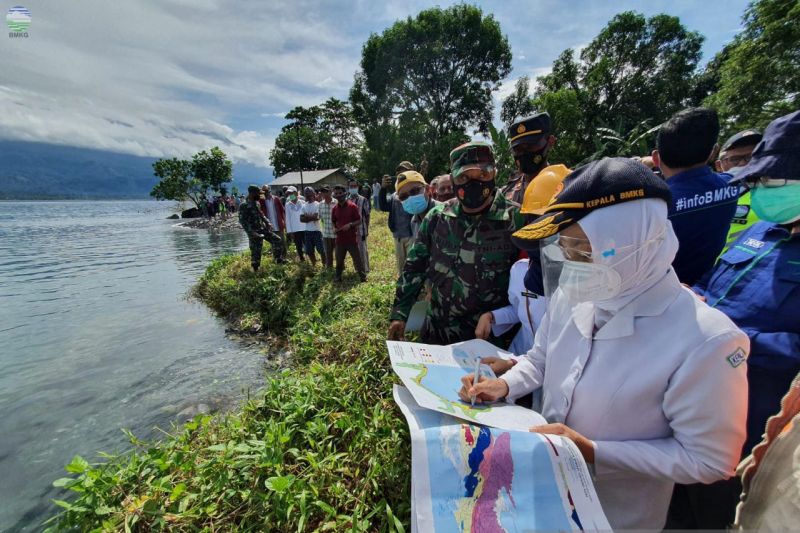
<point>503,156</point>
<point>759,72</point>
<point>639,141</point>
<point>424,81</point>
<point>318,137</point>
<point>181,180</point>
<point>323,447</point>
<point>518,103</point>
<point>636,69</point>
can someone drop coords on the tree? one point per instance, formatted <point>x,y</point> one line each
<point>518,103</point>
<point>424,81</point>
<point>324,136</point>
<point>759,72</point>
<point>636,69</point>
<point>503,156</point>
<point>181,180</point>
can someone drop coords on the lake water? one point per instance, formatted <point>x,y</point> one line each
<point>97,334</point>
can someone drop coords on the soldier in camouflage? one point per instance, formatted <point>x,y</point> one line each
<point>464,250</point>
<point>259,229</point>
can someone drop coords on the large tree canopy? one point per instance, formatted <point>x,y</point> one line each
<point>324,136</point>
<point>425,80</point>
<point>758,74</point>
<point>635,70</point>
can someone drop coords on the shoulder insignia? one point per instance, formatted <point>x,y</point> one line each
<point>737,358</point>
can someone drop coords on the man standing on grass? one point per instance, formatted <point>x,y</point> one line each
<point>258,229</point>
<point>328,231</point>
<point>346,219</point>
<point>364,211</point>
<point>313,236</point>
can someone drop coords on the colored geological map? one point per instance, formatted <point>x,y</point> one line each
<point>473,479</point>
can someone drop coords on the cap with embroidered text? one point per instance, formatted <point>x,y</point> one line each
<point>603,183</point>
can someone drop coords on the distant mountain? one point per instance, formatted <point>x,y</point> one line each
<point>37,170</point>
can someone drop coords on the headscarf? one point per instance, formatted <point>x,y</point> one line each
<point>644,247</point>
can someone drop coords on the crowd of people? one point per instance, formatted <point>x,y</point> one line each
<point>651,303</point>
<point>221,205</point>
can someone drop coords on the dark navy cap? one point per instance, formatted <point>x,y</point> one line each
<point>778,153</point>
<point>530,129</point>
<point>610,181</point>
<point>743,138</point>
<point>253,188</point>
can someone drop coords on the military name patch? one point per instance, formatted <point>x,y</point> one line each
<point>737,358</point>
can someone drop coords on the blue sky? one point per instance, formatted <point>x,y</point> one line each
<point>171,77</point>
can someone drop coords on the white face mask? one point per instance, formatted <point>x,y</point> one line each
<point>581,281</point>
<point>589,282</point>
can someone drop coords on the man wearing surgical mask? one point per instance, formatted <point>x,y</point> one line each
<point>414,194</point>
<point>733,157</point>
<point>463,249</point>
<point>757,284</point>
<point>531,142</point>
<point>647,380</point>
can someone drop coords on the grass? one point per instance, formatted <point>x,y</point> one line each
<point>323,447</point>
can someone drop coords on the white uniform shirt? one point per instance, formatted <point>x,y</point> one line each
<point>527,310</point>
<point>293,223</point>
<point>661,389</point>
<point>311,208</point>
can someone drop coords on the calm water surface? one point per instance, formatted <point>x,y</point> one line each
<point>96,334</point>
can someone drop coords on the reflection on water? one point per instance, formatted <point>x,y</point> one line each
<point>96,334</point>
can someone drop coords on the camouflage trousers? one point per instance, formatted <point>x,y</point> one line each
<point>257,244</point>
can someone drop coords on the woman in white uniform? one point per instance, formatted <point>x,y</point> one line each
<point>647,380</point>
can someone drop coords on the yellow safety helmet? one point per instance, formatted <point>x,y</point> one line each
<point>542,189</point>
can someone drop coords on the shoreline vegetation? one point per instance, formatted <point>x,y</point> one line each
<point>322,447</point>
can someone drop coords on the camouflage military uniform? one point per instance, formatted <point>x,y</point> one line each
<point>514,190</point>
<point>258,228</point>
<point>467,260</point>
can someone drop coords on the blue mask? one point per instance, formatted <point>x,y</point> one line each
<point>780,205</point>
<point>414,205</point>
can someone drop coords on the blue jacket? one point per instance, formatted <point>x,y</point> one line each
<point>757,284</point>
<point>703,205</point>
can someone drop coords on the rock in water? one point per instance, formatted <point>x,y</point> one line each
<point>191,213</point>
<point>173,216</point>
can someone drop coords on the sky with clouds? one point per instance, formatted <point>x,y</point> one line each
<point>171,77</point>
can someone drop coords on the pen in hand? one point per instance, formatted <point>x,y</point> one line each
<point>475,377</point>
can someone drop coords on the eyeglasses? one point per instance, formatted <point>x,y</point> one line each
<point>480,174</point>
<point>766,182</point>
<point>737,160</point>
<point>410,191</point>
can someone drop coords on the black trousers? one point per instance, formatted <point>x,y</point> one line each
<point>355,255</point>
<point>299,238</point>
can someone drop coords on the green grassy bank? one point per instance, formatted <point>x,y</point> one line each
<point>323,447</point>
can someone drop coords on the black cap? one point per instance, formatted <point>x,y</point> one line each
<point>778,153</point>
<point>530,129</point>
<point>610,181</point>
<point>743,138</point>
<point>324,188</point>
<point>253,188</point>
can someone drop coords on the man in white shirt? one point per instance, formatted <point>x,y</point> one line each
<point>295,229</point>
<point>313,235</point>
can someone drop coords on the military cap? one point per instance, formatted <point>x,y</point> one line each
<point>743,138</point>
<point>530,130</point>
<point>778,153</point>
<point>474,154</point>
<point>253,188</point>
<point>402,166</point>
<point>603,183</point>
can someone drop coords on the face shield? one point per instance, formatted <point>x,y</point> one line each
<point>582,273</point>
